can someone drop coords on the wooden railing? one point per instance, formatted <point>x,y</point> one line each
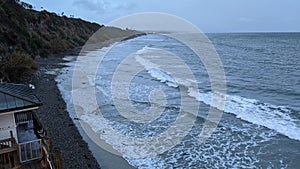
<point>30,151</point>
<point>23,117</point>
<point>7,160</point>
<point>8,153</point>
<point>7,143</point>
<point>37,124</point>
<point>13,155</point>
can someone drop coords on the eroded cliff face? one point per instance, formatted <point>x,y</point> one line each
<point>26,34</point>
<point>39,33</point>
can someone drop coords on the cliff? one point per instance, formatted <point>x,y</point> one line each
<point>39,33</point>
<point>26,34</point>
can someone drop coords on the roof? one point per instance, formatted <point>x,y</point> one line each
<point>16,97</point>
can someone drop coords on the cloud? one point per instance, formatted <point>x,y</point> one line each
<point>104,6</point>
<point>90,5</point>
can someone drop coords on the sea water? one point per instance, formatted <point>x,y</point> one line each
<point>260,126</point>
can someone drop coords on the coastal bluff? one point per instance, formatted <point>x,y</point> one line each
<point>27,34</point>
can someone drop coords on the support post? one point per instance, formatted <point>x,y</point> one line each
<point>11,134</point>
<point>57,159</point>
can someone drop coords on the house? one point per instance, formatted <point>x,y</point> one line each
<point>22,137</point>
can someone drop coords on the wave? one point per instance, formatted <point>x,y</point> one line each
<point>274,117</point>
<point>163,77</point>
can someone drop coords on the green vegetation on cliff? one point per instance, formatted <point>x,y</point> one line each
<point>40,33</point>
<point>26,34</point>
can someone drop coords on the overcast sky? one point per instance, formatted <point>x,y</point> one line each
<point>207,15</point>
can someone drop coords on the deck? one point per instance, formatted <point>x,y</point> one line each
<point>29,142</point>
<point>24,143</point>
<point>25,131</point>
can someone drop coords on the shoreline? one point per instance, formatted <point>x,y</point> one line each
<point>56,120</point>
<point>78,150</point>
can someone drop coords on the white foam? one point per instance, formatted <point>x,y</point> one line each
<point>145,50</point>
<point>232,151</point>
<point>277,118</point>
<point>159,74</point>
<point>53,72</point>
<point>69,58</point>
<point>273,117</point>
<point>163,77</point>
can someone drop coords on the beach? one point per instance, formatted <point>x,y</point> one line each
<point>259,126</point>
<point>255,120</point>
<point>61,128</point>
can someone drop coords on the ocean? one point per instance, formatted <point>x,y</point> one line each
<point>260,123</point>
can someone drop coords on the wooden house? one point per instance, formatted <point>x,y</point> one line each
<point>22,137</point>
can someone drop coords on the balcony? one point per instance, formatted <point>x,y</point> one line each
<point>23,142</point>
<point>8,153</point>
<point>29,145</point>
<point>29,137</point>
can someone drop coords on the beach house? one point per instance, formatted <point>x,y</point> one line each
<point>22,137</point>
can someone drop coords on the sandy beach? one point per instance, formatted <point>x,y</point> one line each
<point>65,136</point>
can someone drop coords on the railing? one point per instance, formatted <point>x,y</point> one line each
<point>7,161</point>
<point>37,124</point>
<point>30,151</point>
<point>23,117</point>
<point>8,153</point>
<point>7,143</point>
<point>28,117</point>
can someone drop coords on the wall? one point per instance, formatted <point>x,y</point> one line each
<point>7,124</point>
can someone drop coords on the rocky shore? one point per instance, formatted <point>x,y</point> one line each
<point>56,120</point>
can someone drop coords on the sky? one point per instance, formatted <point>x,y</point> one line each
<point>207,15</point>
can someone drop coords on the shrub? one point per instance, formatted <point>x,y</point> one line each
<point>18,66</point>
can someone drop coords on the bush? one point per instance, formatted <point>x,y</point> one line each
<point>18,66</point>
